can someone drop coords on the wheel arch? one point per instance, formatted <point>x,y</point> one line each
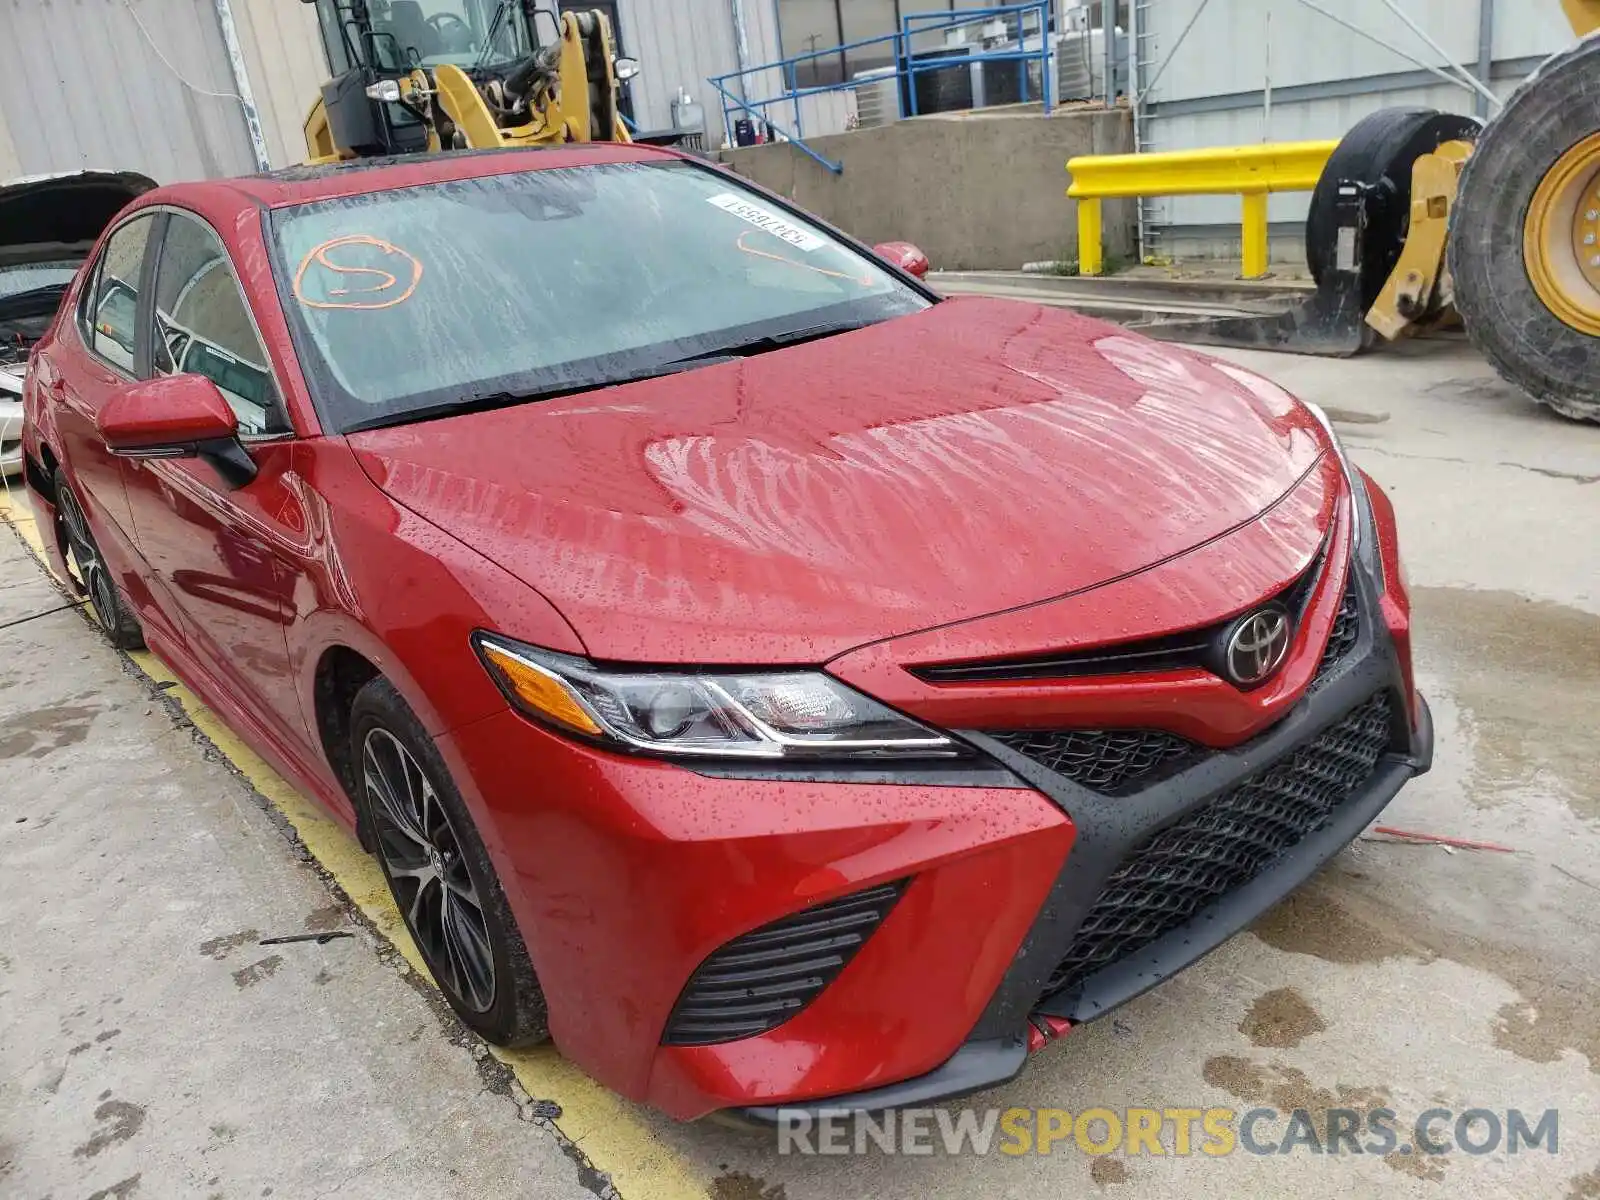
<point>339,675</point>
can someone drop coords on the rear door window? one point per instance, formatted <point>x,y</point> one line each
<point>111,303</point>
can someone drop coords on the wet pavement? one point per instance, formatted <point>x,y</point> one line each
<point>1403,977</point>
<point>151,1047</point>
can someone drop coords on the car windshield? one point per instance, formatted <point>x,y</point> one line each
<point>33,277</point>
<point>405,304</point>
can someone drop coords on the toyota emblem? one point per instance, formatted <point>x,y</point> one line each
<point>1256,646</point>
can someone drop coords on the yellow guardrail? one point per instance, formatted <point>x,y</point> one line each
<point>1250,172</point>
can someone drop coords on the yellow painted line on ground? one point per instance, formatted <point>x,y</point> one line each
<point>597,1120</point>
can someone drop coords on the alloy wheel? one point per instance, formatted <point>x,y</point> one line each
<point>86,555</point>
<point>422,855</point>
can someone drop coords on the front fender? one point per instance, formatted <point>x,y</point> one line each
<point>374,578</point>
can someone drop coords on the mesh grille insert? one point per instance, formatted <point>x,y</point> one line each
<point>1346,630</point>
<point>1106,760</point>
<point>759,980</point>
<point>1227,842</point>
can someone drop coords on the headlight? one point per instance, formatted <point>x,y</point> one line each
<point>1365,544</point>
<point>782,715</point>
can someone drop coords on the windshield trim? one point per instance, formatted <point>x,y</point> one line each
<point>310,356</point>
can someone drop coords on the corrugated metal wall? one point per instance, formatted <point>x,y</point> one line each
<point>84,84</point>
<point>283,54</point>
<point>682,43</point>
<point>1324,77</point>
<point>685,42</point>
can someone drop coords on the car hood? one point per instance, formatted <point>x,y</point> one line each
<point>787,507</point>
<point>47,218</point>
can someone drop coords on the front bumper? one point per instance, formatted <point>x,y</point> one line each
<point>1109,830</point>
<point>626,875</point>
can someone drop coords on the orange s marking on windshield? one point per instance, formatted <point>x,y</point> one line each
<point>389,282</point>
<point>748,249</point>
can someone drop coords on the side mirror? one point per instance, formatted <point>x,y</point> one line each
<point>176,416</point>
<point>905,256</point>
<point>625,69</point>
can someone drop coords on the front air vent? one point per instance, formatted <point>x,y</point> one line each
<point>1114,761</point>
<point>760,980</point>
<point>1346,630</point>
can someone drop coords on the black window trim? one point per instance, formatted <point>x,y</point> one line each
<point>148,321</point>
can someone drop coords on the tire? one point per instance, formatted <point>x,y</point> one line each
<point>435,863</point>
<point>1506,320</point>
<point>111,609</point>
<point>1379,152</point>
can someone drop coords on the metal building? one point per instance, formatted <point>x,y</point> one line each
<point>186,89</point>
<point>1229,72</point>
<point>178,89</point>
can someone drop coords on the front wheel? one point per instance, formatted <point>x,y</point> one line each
<point>440,875</point>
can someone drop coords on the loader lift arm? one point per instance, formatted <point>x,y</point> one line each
<point>429,75</point>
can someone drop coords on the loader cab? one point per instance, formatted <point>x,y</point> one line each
<point>367,41</point>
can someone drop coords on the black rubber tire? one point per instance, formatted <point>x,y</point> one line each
<point>110,607</point>
<point>517,1016</point>
<point>1522,339</point>
<point>1379,152</point>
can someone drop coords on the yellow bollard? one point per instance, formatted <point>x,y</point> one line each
<point>1255,235</point>
<point>1091,256</point>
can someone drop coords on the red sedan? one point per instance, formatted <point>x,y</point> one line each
<point>777,684</point>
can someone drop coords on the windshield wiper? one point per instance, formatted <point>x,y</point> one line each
<point>778,341</point>
<point>488,38</point>
<point>505,399</point>
<point>705,358</point>
<point>32,297</point>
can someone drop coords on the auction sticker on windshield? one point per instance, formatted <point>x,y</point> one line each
<point>768,220</point>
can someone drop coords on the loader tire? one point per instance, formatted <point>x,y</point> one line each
<point>1379,151</point>
<point>1544,124</point>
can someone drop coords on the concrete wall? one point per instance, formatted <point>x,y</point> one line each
<point>983,190</point>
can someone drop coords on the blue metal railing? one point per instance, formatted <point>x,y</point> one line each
<point>907,66</point>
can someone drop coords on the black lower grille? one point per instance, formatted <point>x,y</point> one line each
<point>1107,760</point>
<point>758,981</point>
<point>1346,629</point>
<point>1227,842</point>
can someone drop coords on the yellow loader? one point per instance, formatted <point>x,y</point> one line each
<point>1524,230</point>
<point>1421,217</point>
<point>412,76</point>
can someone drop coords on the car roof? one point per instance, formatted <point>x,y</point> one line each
<point>305,184</point>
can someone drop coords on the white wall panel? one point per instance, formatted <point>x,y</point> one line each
<point>682,43</point>
<point>85,86</point>
<point>1227,54</point>
<point>283,54</point>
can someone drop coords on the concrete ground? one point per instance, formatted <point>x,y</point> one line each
<point>146,1036</point>
<point>150,1046</point>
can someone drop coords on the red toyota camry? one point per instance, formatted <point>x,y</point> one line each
<point>777,684</point>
